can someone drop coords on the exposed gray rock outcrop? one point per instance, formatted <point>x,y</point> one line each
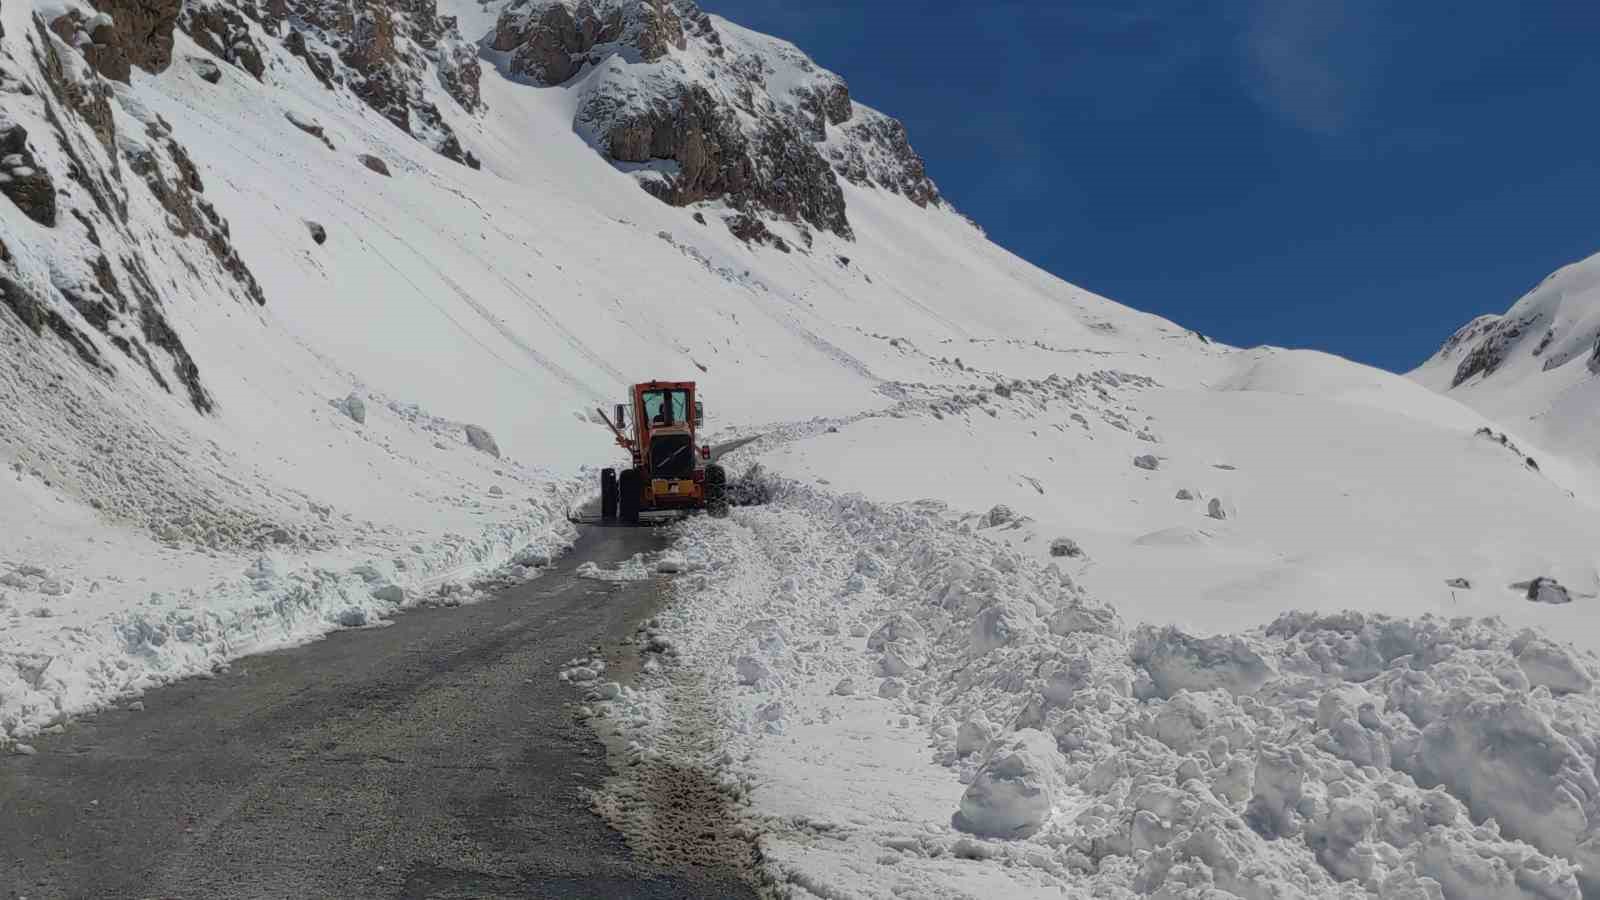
<point>482,441</point>
<point>757,124</point>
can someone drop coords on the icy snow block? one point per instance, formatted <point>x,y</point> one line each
<point>1078,617</point>
<point>1012,795</point>
<point>532,557</point>
<point>1551,665</point>
<point>353,617</point>
<point>482,441</point>
<point>1179,662</point>
<point>1506,758</point>
<point>1147,462</point>
<point>751,671</point>
<point>900,658</point>
<point>999,515</point>
<point>974,735</point>
<point>1280,779</point>
<point>996,627</point>
<point>390,593</point>
<point>899,628</point>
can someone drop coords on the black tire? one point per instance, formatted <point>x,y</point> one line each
<point>716,491</point>
<point>608,494</point>
<point>630,491</point>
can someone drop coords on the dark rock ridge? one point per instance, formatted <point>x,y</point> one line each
<point>700,110</point>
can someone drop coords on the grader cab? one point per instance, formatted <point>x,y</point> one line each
<point>672,471</point>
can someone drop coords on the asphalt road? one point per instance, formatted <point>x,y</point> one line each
<point>434,758</point>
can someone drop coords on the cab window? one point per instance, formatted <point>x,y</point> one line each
<point>666,407</point>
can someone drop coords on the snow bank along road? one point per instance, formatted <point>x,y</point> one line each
<point>905,704</point>
<point>431,758</point>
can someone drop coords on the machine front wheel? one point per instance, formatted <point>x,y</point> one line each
<point>716,491</point>
<point>630,492</point>
<point>608,494</point>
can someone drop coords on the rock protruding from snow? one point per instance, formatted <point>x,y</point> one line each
<point>1147,462</point>
<point>700,109</point>
<point>1014,793</point>
<point>1215,510</point>
<point>353,406</point>
<point>26,183</point>
<point>319,235</point>
<point>1065,547</point>
<point>1548,590</point>
<point>309,125</point>
<point>375,164</point>
<point>482,441</point>
<point>207,70</point>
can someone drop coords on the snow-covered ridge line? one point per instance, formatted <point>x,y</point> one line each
<point>931,701</point>
<point>1539,362</point>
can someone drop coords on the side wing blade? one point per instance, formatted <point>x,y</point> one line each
<point>720,450</point>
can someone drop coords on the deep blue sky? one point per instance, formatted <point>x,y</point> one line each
<point>1359,176</point>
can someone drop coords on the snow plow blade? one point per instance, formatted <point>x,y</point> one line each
<point>647,519</point>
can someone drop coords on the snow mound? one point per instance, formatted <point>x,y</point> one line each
<point>1340,755</point>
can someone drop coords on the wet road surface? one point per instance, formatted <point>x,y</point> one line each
<point>437,757</point>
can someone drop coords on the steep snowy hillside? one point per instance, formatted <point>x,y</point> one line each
<point>264,264</point>
<point>1536,367</point>
<point>308,305</point>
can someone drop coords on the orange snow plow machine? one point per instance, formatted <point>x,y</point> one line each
<point>672,472</point>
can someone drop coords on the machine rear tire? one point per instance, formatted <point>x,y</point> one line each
<point>608,493</point>
<point>630,491</point>
<point>716,491</point>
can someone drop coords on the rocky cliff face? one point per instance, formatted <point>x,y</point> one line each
<point>699,109</point>
<point>382,51</point>
<point>80,161</point>
<point>94,176</point>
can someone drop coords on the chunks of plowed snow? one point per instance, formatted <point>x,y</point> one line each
<point>1340,756</point>
<point>1014,793</point>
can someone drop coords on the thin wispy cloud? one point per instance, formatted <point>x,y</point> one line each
<point>1313,63</point>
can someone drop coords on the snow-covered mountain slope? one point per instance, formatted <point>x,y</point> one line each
<point>264,265</point>
<point>1536,367</point>
<point>202,260</point>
